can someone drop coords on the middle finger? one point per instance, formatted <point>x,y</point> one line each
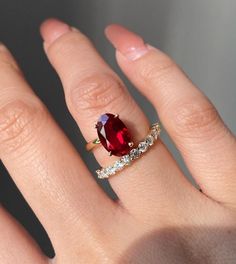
<point>43,163</point>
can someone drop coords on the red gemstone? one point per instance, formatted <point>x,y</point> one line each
<point>113,134</point>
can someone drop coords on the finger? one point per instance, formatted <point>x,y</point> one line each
<point>16,246</point>
<point>207,146</point>
<point>42,162</point>
<point>91,89</point>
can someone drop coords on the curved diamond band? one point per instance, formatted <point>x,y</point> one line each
<point>134,154</point>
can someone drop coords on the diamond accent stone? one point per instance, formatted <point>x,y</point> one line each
<point>134,153</point>
<point>110,170</point>
<point>142,146</point>
<point>155,134</point>
<point>126,159</point>
<point>119,165</point>
<point>149,140</point>
<point>155,131</point>
<point>102,174</point>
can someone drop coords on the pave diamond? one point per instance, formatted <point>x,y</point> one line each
<point>134,153</point>
<point>119,165</point>
<point>126,159</point>
<point>110,170</point>
<point>142,146</point>
<point>99,173</point>
<point>155,134</point>
<point>149,140</point>
<point>102,174</point>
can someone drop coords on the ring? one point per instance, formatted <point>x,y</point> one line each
<point>116,139</point>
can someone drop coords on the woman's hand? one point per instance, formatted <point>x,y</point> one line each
<point>159,217</point>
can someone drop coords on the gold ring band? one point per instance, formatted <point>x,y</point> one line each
<point>93,144</point>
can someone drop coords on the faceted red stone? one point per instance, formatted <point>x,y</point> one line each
<point>113,134</point>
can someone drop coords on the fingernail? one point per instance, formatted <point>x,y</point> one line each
<point>128,43</point>
<point>52,29</point>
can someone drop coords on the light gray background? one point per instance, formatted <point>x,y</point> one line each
<point>199,35</point>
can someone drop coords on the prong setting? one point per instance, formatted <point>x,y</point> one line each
<point>131,144</point>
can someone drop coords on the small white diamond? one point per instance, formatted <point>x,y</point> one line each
<point>110,170</point>
<point>156,126</point>
<point>155,133</point>
<point>142,146</point>
<point>149,140</point>
<point>101,174</point>
<point>105,172</point>
<point>98,173</point>
<point>134,153</point>
<point>119,165</point>
<point>126,159</point>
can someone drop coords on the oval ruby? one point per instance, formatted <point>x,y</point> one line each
<point>113,134</point>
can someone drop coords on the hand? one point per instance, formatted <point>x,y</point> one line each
<point>159,217</point>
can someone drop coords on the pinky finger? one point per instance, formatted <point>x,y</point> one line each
<point>16,246</point>
<point>206,144</point>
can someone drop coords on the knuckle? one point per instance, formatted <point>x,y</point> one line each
<point>195,118</point>
<point>158,71</point>
<point>94,93</point>
<point>97,250</point>
<point>18,122</point>
<point>98,246</point>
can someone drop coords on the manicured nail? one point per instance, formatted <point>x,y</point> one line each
<point>128,43</point>
<point>52,29</point>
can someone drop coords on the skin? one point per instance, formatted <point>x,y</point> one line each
<point>159,217</point>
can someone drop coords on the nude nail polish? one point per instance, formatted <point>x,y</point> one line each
<point>52,29</point>
<point>133,53</point>
<point>126,42</point>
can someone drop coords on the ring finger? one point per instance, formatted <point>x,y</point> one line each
<point>91,89</point>
<point>43,163</point>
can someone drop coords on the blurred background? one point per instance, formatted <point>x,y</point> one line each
<point>199,35</point>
